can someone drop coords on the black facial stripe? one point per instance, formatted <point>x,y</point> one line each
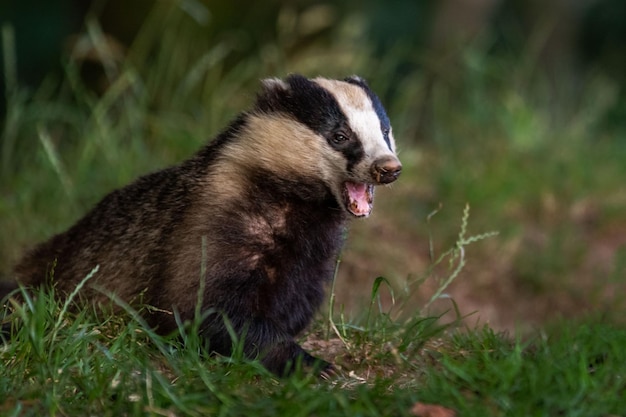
<point>304,100</point>
<point>315,107</point>
<point>352,149</point>
<point>385,124</point>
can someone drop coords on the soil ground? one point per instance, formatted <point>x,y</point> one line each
<point>489,290</point>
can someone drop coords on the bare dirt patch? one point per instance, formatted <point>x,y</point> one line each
<point>514,283</point>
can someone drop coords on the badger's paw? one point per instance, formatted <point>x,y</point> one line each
<point>288,358</point>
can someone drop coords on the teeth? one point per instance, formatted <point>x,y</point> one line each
<point>358,198</point>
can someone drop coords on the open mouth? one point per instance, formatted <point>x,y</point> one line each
<point>358,198</point>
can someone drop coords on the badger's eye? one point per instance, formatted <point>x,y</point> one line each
<point>339,138</point>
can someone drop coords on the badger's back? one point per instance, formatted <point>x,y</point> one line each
<point>125,235</point>
<point>257,216</point>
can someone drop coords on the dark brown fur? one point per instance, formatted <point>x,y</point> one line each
<point>146,239</point>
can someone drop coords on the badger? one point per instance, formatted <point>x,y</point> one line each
<point>251,225</point>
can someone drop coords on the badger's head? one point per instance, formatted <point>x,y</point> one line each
<point>333,131</point>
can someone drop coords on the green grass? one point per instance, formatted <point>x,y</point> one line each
<point>483,130</point>
<point>66,363</point>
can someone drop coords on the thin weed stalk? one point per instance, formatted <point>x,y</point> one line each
<point>55,161</point>
<point>331,301</point>
<point>455,256</point>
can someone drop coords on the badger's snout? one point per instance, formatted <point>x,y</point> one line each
<point>386,169</point>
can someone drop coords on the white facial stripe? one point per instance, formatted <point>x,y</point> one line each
<point>362,117</point>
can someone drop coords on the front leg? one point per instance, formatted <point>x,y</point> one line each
<point>286,357</point>
<point>262,339</point>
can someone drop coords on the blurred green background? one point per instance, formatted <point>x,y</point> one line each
<point>515,107</point>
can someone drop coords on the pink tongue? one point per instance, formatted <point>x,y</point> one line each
<point>359,201</point>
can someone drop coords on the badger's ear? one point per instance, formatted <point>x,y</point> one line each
<point>274,85</point>
<point>355,79</point>
<point>272,96</point>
